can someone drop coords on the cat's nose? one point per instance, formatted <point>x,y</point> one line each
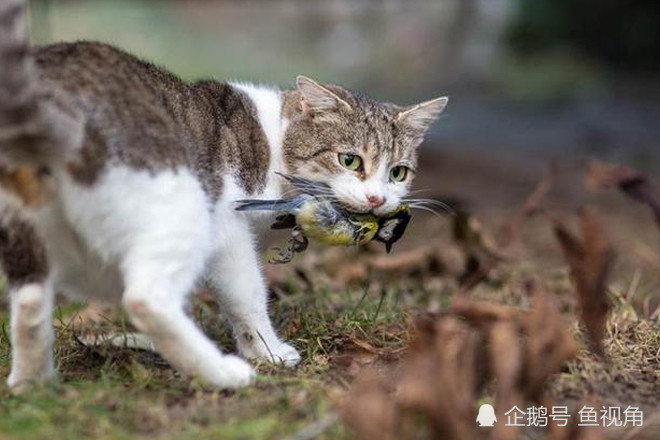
<point>376,201</point>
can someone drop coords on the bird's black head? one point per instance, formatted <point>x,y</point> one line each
<point>392,227</point>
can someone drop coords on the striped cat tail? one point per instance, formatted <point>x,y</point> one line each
<point>37,125</point>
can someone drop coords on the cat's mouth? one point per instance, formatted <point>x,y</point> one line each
<point>353,209</point>
<point>324,190</point>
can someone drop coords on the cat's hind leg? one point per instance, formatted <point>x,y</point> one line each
<point>31,335</point>
<point>23,261</point>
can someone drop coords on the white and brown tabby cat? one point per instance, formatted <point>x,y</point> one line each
<point>118,182</point>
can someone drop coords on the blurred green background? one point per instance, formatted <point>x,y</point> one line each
<point>536,77</point>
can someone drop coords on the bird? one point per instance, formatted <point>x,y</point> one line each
<point>313,214</point>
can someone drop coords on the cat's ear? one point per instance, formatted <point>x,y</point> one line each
<point>420,117</point>
<point>317,99</point>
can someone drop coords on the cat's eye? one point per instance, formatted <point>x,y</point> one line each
<point>398,173</point>
<point>350,161</point>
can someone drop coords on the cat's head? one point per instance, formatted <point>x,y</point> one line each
<point>366,151</point>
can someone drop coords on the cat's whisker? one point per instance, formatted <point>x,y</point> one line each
<point>431,203</point>
<point>425,208</point>
<point>424,200</point>
<point>309,189</point>
<point>418,191</point>
<point>288,192</point>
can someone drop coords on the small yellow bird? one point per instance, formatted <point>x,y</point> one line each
<point>314,216</point>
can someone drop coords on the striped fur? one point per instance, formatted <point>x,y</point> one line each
<point>37,126</point>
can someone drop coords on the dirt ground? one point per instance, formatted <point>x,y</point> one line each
<point>353,314</point>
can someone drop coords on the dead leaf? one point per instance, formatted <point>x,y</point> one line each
<point>449,353</point>
<point>370,411</point>
<point>354,362</point>
<point>590,259</point>
<point>423,261</point>
<point>420,263</point>
<point>452,357</point>
<point>481,313</point>
<point>364,345</point>
<point>506,360</point>
<point>549,342</point>
<point>531,206</point>
<point>602,175</point>
<point>482,255</point>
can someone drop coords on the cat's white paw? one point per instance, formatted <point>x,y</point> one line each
<point>232,373</point>
<point>18,383</point>
<point>286,355</point>
<point>277,353</point>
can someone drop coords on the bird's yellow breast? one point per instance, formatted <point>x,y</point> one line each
<point>358,230</point>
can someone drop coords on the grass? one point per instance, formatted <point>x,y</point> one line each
<point>119,393</point>
<point>116,393</point>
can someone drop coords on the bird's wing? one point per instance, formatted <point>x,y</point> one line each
<point>282,205</point>
<point>305,185</point>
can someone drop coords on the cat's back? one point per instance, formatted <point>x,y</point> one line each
<point>133,109</point>
<point>81,67</point>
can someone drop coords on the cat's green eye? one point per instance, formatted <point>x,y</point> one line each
<point>398,173</point>
<point>350,161</point>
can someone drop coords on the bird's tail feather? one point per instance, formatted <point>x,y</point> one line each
<point>37,126</point>
<point>283,205</point>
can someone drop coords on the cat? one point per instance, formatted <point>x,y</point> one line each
<point>118,181</point>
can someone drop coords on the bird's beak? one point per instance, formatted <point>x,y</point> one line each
<point>388,247</point>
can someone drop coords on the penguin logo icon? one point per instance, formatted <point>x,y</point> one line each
<point>486,415</point>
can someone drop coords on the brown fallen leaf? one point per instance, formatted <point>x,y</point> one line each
<point>353,363</point>
<point>482,254</point>
<point>602,175</point>
<point>424,260</point>
<point>440,376</point>
<point>420,263</point>
<point>370,410</point>
<point>532,205</point>
<point>361,344</point>
<point>450,363</point>
<point>590,259</point>
<point>507,363</point>
<point>481,313</point>
<point>549,342</point>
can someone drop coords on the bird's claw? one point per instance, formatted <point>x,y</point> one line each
<point>282,256</point>
<point>298,240</point>
<point>297,243</point>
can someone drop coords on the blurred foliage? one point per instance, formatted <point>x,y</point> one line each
<point>624,35</point>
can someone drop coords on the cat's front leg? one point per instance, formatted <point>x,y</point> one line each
<point>236,279</point>
<point>31,335</point>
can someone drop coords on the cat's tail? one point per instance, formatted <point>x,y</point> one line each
<point>38,126</point>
